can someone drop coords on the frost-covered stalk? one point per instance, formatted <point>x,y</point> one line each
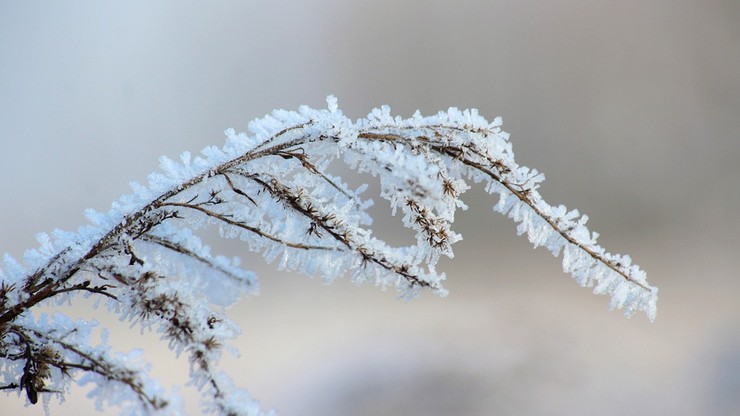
<point>272,189</point>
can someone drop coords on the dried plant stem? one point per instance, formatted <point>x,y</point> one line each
<point>275,191</point>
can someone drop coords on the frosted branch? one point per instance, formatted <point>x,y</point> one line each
<point>273,190</point>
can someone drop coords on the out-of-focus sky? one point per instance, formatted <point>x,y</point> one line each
<point>631,108</point>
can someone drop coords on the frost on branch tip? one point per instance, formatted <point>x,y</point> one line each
<point>273,189</point>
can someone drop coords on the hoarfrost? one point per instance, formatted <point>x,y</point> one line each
<point>272,190</point>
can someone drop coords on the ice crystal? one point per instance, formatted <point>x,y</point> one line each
<point>272,189</point>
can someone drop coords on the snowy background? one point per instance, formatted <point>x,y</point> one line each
<point>631,108</point>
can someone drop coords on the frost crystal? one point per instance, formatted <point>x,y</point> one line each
<point>273,190</point>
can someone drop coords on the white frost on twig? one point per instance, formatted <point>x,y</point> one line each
<point>272,189</point>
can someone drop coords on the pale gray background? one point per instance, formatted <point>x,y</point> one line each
<point>631,108</point>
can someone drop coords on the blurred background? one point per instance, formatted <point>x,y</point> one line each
<point>631,109</point>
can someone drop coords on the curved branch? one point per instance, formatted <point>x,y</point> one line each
<point>521,193</point>
<point>424,165</point>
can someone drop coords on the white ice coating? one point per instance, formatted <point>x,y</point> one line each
<point>271,189</point>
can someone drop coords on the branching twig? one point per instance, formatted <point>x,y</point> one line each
<point>274,191</point>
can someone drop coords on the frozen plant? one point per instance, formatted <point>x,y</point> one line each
<point>272,190</point>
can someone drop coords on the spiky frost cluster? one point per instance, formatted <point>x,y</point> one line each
<point>272,190</point>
